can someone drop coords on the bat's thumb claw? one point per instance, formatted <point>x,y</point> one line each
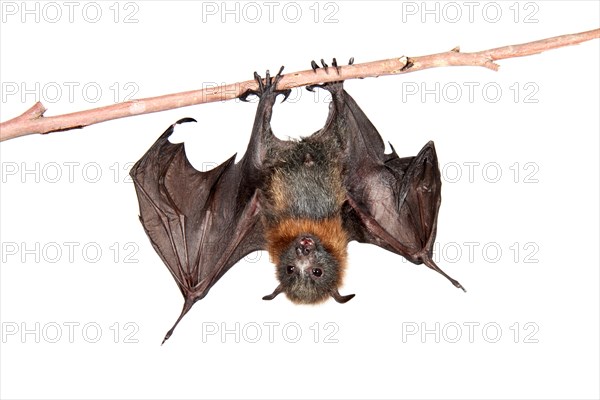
<point>277,290</point>
<point>341,299</point>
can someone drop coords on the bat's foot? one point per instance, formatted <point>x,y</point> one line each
<point>268,87</point>
<point>316,66</point>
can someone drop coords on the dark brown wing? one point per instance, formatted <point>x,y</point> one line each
<point>200,223</point>
<point>392,202</point>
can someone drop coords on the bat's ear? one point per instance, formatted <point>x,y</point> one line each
<point>339,298</point>
<point>277,290</point>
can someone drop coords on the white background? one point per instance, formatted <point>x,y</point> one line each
<point>526,328</point>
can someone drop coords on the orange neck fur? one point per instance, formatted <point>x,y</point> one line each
<point>329,231</point>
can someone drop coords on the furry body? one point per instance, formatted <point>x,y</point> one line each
<point>304,198</point>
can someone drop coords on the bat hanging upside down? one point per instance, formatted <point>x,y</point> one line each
<point>303,201</point>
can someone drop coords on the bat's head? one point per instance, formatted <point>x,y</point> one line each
<point>307,271</point>
<point>310,268</point>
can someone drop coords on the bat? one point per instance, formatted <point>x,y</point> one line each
<point>301,200</point>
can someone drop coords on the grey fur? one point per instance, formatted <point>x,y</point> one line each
<point>309,175</point>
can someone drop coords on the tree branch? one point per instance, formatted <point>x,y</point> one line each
<point>33,120</point>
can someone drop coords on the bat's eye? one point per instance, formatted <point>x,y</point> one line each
<point>290,269</point>
<point>317,272</point>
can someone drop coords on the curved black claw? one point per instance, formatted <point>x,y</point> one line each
<point>269,85</point>
<point>341,299</point>
<point>315,66</point>
<point>335,65</point>
<point>268,81</point>
<point>286,92</point>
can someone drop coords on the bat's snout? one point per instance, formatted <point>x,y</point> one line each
<point>305,246</point>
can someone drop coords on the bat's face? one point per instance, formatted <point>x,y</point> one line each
<point>307,271</point>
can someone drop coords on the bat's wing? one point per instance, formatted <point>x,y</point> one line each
<point>200,223</point>
<point>392,202</point>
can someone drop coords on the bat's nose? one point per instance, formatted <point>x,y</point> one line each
<point>305,246</point>
<point>302,251</point>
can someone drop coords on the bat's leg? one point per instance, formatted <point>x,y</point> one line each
<point>267,93</point>
<point>431,264</point>
<point>262,139</point>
